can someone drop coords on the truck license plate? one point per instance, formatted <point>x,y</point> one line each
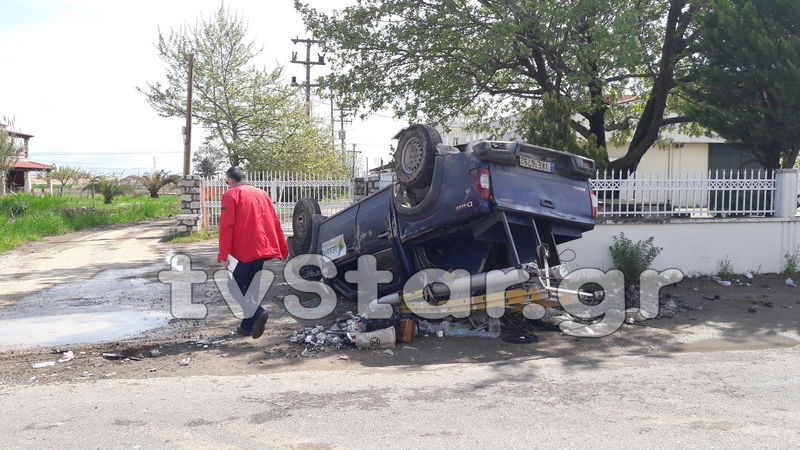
<point>536,164</point>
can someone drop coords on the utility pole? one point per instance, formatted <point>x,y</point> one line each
<point>333,124</point>
<point>355,155</point>
<point>342,120</point>
<point>308,63</point>
<point>187,130</point>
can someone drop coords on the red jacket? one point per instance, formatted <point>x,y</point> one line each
<point>249,229</point>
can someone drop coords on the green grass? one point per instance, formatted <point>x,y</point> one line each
<point>202,235</point>
<point>26,217</point>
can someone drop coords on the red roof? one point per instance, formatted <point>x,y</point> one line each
<point>15,133</point>
<point>30,165</point>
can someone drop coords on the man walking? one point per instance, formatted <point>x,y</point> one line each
<point>250,232</point>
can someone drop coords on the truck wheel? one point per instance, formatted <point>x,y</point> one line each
<point>301,224</point>
<point>415,156</point>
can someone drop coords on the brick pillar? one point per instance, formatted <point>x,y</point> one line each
<point>191,213</point>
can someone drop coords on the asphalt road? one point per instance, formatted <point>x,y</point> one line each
<point>734,399</point>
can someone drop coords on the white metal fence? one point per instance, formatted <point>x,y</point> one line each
<point>285,188</point>
<point>719,192</point>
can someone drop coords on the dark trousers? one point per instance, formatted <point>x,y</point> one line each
<point>243,275</point>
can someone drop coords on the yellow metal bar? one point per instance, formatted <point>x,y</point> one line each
<point>516,298</point>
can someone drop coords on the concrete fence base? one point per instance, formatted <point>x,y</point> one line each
<point>696,246</point>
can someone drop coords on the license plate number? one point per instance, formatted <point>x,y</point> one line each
<point>536,164</point>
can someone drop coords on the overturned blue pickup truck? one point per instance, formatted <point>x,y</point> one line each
<point>478,207</point>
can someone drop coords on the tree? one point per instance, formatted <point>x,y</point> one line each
<point>9,153</point>
<point>107,187</point>
<point>488,62</point>
<point>65,175</point>
<point>550,126</point>
<point>247,110</point>
<point>208,161</point>
<point>156,180</point>
<point>747,74</point>
<point>302,145</point>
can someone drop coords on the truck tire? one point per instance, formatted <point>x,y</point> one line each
<point>301,224</point>
<point>415,156</point>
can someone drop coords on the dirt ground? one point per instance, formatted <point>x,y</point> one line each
<point>115,269</point>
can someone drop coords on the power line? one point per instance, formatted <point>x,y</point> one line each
<point>132,153</point>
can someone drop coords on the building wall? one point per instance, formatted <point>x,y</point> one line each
<point>677,160</point>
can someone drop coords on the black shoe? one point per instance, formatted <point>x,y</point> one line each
<point>259,324</point>
<point>242,332</point>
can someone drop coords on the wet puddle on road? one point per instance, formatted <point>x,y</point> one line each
<point>79,328</point>
<point>754,342</point>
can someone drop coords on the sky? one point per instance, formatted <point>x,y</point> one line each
<point>71,68</point>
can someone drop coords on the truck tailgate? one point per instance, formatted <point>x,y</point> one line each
<point>542,194</point>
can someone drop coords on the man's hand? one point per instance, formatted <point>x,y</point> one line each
<point>226,263</point>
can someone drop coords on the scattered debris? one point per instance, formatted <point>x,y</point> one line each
<point>790,282</point>
<point>384,338</point>
<point>68,356</point>
<point>478,357</point>
<point>185,361</point>
<point>672,304</point>
<point>406,328</point>
<point>710,297</point>
<point>43,364</point>
<point>408,347</point>
<point>152,369</point>
<point>388,352</point>
<point>113,355</point>
<point>748,275</point>
<point>752,309</point>
<point>110,374</point>
<point>344,357</point>
<point>154,352</point>
<point>769,304</point>
<point>455,329</point>
<point>521,338</point>
<point>305,352</point>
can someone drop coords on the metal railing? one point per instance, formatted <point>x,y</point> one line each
<point>713,194</point>
<point>285,189</point>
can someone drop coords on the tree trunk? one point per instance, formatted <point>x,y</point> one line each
<point>649,124</point>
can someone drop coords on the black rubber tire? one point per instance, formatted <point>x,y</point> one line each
<point>301,224</point>
<point>415,156</point>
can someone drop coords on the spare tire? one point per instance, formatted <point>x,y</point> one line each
<point>304,209</point>
<point>415,156</point>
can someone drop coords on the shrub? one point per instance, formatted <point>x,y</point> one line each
<point>15,205</point>
<point>792,260</point>
<point>726,269</point>
<point>633,259</point>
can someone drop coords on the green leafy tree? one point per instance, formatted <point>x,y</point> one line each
<point>550,126</point>
<point>247,110</point>
<point>156,180</point>
<point>488,62</point>
<point>65,175</point>
<point>747,74</point>
<point>107,187</point>
<point>208,161</point>
<point>302,145</point>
